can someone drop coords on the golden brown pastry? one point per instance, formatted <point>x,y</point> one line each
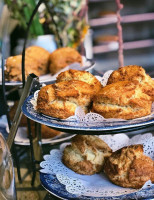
<point>41,56</point>
<point>123,99</point>
<point>36,61</point>
<point>129,167</point>
<point>47,132</point>
<point>86,154</point>
<point>62,57</point>
<point>81,76</point>
<point>13,70</point>
<point>61,99</point>
<point>23,121</point>
<point>134,73</point>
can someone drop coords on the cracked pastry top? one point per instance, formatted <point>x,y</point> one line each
<point>123,99</point>
<point>62,57</point>
<point>81,76</point>
<point>86,154</point>
<point>36,61</point>
<point>129,167</point>
<point>134,73</point>
<point>61,99</point>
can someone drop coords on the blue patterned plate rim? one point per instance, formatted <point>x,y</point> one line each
<point>53,186</point>
<point>29,111</point>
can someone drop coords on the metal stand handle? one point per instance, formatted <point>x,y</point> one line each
<point>31,81</point>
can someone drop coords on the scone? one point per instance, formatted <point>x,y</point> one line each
<point>41,56</point>
<point>129,167</point>
<point>12,111</point>
<point>61,99</point>
<point>134,73</point>
<point>123,99</point>
<point>86,154</point>
<point>13,71</point>
<point>62,57</point>
<point>81,76</point>
<point>46,132</point>
<point>36,61</point>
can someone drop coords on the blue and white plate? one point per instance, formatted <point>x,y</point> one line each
<point>85,128</point>
<point>53,186</point>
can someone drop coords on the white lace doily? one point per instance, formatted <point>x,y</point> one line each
<point>95,185</point>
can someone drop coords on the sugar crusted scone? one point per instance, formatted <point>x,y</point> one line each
<point>81,76</point>
<point>36,61</point>
<point>123,99</point>
<point>61,99</point>
<point>86,154</point>
<point>134,73</point>
<point>129,167</point>
<point>62,57</point>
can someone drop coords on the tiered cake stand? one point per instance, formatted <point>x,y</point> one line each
<point>49,181</point>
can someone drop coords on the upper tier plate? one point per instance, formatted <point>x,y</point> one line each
<point>87,66</point>
<point>86,128</point>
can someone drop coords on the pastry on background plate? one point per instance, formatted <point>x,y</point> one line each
<point>62,57</point>
<point>61,99</point>
<point>86,154</point>
<point>129,167</point>
<point>41,56</point>
<point>13,71</point>
<point>36,61</point>
<point>123,99</point>
<point>134,73</point>
<point>46,132</point>
<point>81,76</point>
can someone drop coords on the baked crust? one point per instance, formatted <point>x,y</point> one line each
<point>81,76</point>
<point>36,61</point>
<point>123,99</point>
<point>61,99</point>
<point>134,73</point>
<point>129,167</point>
<point>41,56</point>
<point>13,71</point>
<point>62,57</point>
<point>86,154</point>
<point>46,132</point>
<point>12,111</point>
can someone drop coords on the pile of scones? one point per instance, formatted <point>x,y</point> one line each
<point>129,94</point>
<point>40,62</point>
<point>126,167</point>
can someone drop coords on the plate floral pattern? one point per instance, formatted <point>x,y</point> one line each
<point>98,127</point>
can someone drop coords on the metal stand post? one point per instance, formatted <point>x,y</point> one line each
<point>31,80</point>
